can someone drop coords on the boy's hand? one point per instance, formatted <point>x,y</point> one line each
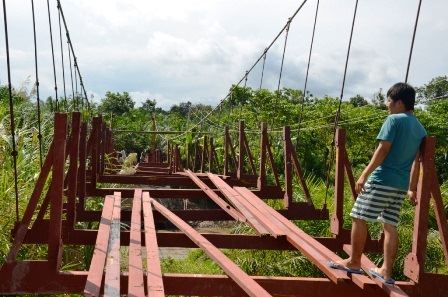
<point>413,196</point>
<point>359,187</point>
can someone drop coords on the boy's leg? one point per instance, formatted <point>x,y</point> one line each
<point>390,250</point>
<point>359,236</point>
<point>358,239</point>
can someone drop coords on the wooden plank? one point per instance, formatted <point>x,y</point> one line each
<point>95,274</point>
<point>366,264</point>
<point>231,269</point>
<point>112,277</point>
<point>317,253</point>
<point>136,286</point>
<point>154,271</point>
<point>255,218</point>
<point>218,200</point>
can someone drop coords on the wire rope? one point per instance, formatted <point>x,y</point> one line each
<point>413,39</point>
<point>62,56</point>
<point>52,55</point>
<point>336,120</point>
<point>75,100</point>
<point>256,62</point>
<point>281,71</point>
<point>262,71</point>
<point>306,77</point>
<point>11,111</point>
<point>39,136</point>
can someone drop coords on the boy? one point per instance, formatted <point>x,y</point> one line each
<point>386,180</point>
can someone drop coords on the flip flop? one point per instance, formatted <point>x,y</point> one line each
<point>344,268</point>
<point>382,279</point>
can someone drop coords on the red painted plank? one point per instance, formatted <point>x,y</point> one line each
<point>57,187</point>
<point>255,218</point>
<point>154,271</point>
<point>218,200</point>
<point>95,275</point>
<point>136,285</point>
<point>112,277</point>
<point>317,253</point>
<point>230,268</point>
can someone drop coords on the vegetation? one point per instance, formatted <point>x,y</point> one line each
<point>360,117</point>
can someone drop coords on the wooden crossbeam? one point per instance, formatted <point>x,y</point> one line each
<point>136,286</point>
<point>218,200</point>
<point>95,275</point>
<point>261,224</point>
<point>154,272</point>
<point>112,278</point>
<point>231,269</point>
<point>307,245</point>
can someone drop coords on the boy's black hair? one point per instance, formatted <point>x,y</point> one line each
<point>404,92</point>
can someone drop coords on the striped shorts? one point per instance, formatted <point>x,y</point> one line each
<point>379,203</point>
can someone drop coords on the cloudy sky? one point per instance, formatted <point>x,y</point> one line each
<point>176,51</point>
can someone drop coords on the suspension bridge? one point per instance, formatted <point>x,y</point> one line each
<point>78,165</point>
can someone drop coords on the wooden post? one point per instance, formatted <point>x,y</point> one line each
<point>55,228</point>
<point>287,200</point>
<point>414,265</point>
<point>337,219</point>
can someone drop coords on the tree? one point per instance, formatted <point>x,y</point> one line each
<point>436,89</point>
<point>149,106</point>
<point>116,103</point>
<point>182,109</point>
<point>358,101</point>
<point>379,99</point>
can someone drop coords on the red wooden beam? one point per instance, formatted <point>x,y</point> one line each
<point>95,275</point>
<point>154,271</point>
<point>414,266</point>
<point>318,254</point>
<point>136,284</point>
<point>112,276</point>
<point>218,200</point>
<point>261,224</point>
<point>231,269</point>
<point>57,183</point>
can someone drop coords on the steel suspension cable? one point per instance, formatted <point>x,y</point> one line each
<point>262,71</point>
<point>76,84</point>
<point>75,100</point>
<point>62,56</point>
<point>11,112</point>
<point>76,66</point>
<point>52,55</point>
<point>39,136</point>
<point>244,94</point>
<point>413,39</point>
<point>281,71</point>
<point>256,62</point>
<point>306,78</point>
<point>338,113</point>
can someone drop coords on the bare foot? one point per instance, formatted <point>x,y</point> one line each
<point>348,263</point>
<point>381,274</point>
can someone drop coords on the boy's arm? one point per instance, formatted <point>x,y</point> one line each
<point>377,159</point>
<point>415,170</point>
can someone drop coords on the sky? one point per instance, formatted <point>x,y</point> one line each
<point>177,51</point>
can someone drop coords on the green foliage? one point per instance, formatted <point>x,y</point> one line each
<point>116,103</point>
<point>284,107</point>
<point>358,101</point>
<point>435,90</point>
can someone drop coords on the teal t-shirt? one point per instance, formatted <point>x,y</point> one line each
<point>406,133</point>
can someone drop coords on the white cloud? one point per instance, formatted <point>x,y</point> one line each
<point>175,50</point>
